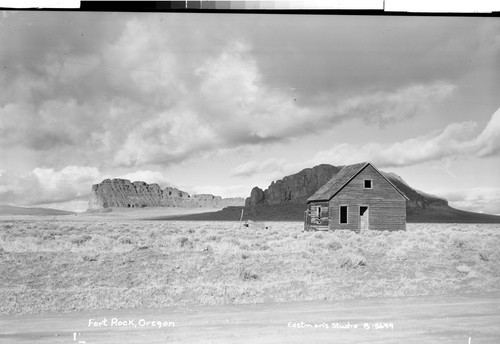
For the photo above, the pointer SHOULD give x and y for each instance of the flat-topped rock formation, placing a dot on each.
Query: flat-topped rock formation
(124, 193)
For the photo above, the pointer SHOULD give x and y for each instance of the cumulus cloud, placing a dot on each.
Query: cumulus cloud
(454, 140)
(488, 142)
(250, 168)
(46, 185)
(238, 190)
(383, 107)
(481, 199)
(246, 110)
(86, 98)
(241, 106)
(148, 177)
(269, 170)
(164, 139)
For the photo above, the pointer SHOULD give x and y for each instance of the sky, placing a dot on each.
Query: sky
(220, 103)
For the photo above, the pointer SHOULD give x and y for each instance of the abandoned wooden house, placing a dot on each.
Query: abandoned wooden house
(357, 198)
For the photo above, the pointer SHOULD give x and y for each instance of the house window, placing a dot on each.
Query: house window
(343, 214)
(316, 210)
(368, 184)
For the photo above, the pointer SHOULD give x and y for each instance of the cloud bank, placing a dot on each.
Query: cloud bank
(482, 200)
(46, 185)
(138, 96)
(455, 140)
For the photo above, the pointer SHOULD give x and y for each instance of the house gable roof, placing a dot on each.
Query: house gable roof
(341, 179)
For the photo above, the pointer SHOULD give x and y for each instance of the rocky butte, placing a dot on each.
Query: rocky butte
(296, 188)
(285, 200)
(124, 193)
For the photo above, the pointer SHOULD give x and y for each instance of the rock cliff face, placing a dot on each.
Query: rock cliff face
(123, 193)
(297, 188)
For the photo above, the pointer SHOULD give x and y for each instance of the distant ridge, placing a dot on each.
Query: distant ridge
(13, 210)
(285, 200)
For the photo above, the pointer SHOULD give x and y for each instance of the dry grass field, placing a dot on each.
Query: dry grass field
(63, 265)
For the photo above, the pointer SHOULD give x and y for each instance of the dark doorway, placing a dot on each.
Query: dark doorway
(363, 217)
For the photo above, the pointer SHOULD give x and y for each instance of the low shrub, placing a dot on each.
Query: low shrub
(458, 241)
(319, 235)
(80, 240)
(126, 241)
(184, 242)
(484, 256)
(248, 275)
(232, 241)
(334, 245)
(153, 234)
(213, 237)
(90, 257)
(464, 269)
(397, 253)
(351, 260)
(264, 247)
(49, 236)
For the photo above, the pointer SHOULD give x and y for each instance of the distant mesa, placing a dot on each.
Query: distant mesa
(124, 193)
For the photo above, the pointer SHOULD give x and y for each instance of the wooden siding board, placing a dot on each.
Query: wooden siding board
(387, 208)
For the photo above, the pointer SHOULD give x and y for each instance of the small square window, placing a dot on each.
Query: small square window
(368, 184)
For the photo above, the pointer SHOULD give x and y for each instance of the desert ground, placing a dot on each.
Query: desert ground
(68, 266)
(423, 319)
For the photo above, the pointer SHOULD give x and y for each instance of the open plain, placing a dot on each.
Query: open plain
(65, 265)
(74, 267)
